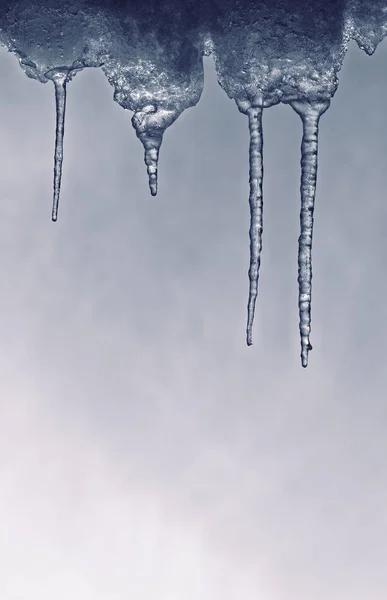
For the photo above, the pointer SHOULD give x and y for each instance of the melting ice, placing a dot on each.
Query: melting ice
(265, 52)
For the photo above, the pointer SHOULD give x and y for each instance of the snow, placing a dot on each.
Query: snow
(265, 52)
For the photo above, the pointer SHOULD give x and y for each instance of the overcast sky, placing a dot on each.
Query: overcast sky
(145, 451)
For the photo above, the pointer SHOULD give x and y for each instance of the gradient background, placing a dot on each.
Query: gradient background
(145, 451)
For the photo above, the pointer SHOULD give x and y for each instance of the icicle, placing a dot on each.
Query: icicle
(256, 211)
(150, 122)
(151, 143)
(60, 79)
(310, 114)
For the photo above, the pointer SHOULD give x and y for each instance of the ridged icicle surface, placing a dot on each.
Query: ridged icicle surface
(265, 52)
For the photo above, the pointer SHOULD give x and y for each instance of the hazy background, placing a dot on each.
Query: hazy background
(145, 451)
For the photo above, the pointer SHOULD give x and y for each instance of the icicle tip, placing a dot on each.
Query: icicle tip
(305, 354)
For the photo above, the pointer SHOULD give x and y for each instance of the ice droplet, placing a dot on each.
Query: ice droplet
(60, 78)
(256, 211)
(310, 113)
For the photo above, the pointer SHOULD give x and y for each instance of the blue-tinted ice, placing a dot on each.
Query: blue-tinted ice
(265, 52)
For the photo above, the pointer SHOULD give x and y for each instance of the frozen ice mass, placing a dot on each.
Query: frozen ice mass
(265, 52)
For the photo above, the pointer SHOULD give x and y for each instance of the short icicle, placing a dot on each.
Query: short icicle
(150, 123)
(310, 113)
(151, 157)
(256, 211)
(60, 80)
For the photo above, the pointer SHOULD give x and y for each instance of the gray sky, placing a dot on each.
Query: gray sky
(145, 451)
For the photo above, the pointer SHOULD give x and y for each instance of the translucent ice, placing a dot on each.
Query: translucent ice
(310, 114)
(155, 66)
(150, 124)
(256, 211)
(265, 52)
(60, 79)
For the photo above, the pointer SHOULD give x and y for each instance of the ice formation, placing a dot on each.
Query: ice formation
(265, 52)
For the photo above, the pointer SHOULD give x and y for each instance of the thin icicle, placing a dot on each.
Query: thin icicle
(310, 114)
(60, 80)
(256, 211)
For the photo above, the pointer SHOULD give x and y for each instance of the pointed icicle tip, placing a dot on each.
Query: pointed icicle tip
(151, 143)
(256, 211)
(310, 113)
(60, 78)
(150, 122)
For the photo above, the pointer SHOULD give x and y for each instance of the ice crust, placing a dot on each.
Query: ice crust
(265, 52)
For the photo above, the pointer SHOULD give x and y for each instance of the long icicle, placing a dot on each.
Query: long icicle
(60, 80)
(310, 114)
(256, 211)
